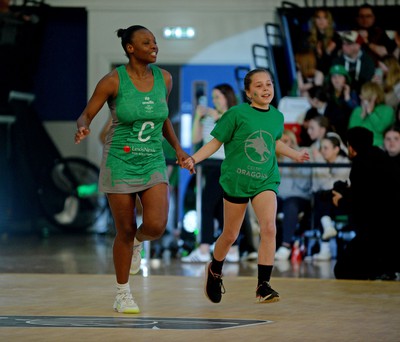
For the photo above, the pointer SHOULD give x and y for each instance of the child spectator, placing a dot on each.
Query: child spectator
(294, 197)
(373, 113)
(332, 151)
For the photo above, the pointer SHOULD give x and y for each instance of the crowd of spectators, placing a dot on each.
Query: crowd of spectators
(351, 79)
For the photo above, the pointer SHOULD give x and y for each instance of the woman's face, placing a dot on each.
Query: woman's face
(144, 46)
(315, 131)
(338, 81)
(219, 100)
(328, 151)
(321, 21)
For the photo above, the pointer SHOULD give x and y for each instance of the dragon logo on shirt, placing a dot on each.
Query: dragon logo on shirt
(256, 146)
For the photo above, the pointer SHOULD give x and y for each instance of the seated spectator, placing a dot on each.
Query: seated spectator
(317, 128)
(373, 113)
(324, 41)
(392, 148)
(322, 104)
(318, 101)
(359, 65)
(304, 137)
(391, 145)
(307, 75)
(375, 42)
(373, 253)
(390, 80)
(341, 99)
(294, 198)
(332, 151)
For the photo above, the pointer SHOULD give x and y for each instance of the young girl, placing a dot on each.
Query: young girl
(250, 133)
(223, 98)
(341, 99)
(332, 151)
(294, 197)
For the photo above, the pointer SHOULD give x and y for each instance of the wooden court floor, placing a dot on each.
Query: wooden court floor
(78, 307)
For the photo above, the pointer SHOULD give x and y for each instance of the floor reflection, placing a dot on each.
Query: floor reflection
(92, 254)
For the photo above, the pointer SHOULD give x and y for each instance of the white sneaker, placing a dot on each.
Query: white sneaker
(124, 303)
(252, 256)
(197, 256)
(283, 253)
(324, 252)
(136, 258)
(69, 212)
(233, 255)
(328, 227)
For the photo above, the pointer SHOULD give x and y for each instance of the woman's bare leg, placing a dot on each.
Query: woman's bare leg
(123, 211)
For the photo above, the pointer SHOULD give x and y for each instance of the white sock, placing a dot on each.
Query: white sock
(122, 288)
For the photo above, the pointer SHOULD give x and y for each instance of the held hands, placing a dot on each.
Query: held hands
(81, 134)
(189, 164)
(182, 160)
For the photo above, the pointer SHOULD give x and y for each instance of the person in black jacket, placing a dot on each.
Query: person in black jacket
(372, 252)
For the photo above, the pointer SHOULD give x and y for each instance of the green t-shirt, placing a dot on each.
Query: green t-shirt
(249, 137)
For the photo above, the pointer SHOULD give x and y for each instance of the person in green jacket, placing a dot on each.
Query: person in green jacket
(373, 113)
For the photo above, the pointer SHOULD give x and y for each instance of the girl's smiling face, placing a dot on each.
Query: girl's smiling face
(260, 90)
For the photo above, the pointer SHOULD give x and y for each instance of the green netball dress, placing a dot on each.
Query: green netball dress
(133, 158)
(249, 136)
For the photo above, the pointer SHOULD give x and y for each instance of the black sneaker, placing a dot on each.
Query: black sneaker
(265, 293)
(213, 287)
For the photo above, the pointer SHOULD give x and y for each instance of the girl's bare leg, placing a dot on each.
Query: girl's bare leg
(265, 206)
(233, 218)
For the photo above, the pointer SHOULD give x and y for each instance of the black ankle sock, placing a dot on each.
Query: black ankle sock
(264, 273)
(216, 266)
